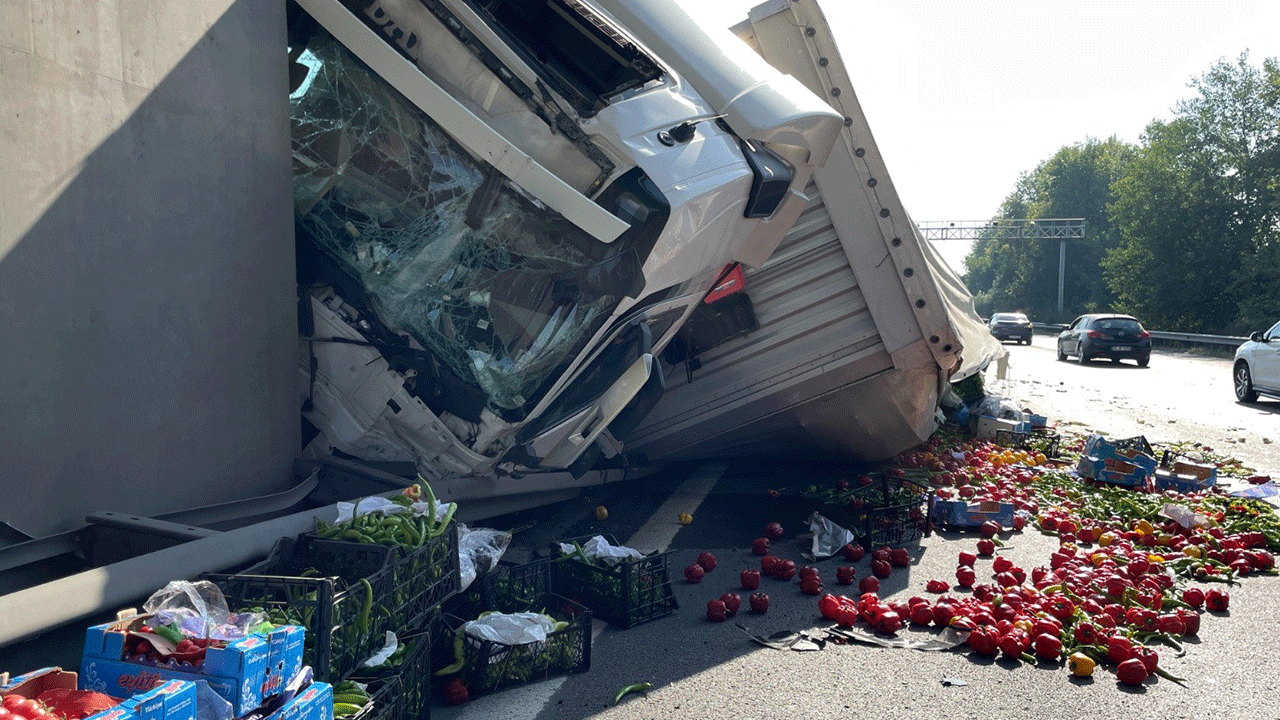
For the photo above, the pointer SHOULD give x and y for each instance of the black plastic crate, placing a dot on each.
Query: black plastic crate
(421, 578)
(399, 690)
(626, 594)
(1048, 443)
(1137, 442)
(491, 666)
(507, 587)
(344, 610)
(888, 511)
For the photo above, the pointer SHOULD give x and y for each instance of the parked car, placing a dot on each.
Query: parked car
(1010, 326)
(1116, 337)
(1257, 366)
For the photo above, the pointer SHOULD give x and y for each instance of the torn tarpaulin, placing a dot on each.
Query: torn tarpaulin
(950, 638)
(808, 641)
(788, 640)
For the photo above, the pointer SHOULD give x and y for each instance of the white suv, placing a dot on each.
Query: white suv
(1257, 367)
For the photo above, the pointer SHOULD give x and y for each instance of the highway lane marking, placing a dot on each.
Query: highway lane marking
(661, 527)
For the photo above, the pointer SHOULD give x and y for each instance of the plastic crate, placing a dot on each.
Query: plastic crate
(1042, 442)
(889, 511)
(421, 578)
(507, 587)
(345, 611)
(491, 666)
(626, 594)
(403, 691)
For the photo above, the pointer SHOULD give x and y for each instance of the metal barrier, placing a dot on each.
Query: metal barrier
(1228, 340)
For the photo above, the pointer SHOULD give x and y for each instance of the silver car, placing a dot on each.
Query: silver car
(1257, 366)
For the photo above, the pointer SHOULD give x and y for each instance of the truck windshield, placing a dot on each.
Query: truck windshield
(494, 284)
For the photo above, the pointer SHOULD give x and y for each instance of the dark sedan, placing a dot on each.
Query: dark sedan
(1010, 326)
(1116, 337)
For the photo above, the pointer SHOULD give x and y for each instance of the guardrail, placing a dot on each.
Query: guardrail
(1228, 340)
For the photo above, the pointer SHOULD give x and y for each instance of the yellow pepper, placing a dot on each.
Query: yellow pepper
(684, 518)
(1081, 665)
(1105, 539)
(602, 513)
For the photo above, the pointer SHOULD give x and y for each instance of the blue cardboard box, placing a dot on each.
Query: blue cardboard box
(285, 658)
(237, 671)
(962, 513)
(315, 702)
(1166, 479)
(172, 700)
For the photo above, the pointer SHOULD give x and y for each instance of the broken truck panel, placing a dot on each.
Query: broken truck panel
(860, 322)
(495, 238)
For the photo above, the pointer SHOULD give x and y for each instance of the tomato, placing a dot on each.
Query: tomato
(23, 707)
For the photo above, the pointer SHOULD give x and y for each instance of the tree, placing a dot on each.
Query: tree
(1197, 207)
(1023, 274)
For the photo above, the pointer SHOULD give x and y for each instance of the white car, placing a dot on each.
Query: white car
(1257, 366)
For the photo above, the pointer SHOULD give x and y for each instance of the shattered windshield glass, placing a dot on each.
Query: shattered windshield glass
(493, 283)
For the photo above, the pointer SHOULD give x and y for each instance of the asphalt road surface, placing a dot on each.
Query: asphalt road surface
(701, 669)
(1181, 396)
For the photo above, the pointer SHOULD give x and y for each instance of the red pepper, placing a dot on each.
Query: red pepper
(1119, 649)
(1193, 597)
(732, 601)
(1132, 672)
(759, 602)
(899, 557)
(990, 528)
(769, 565)
(760, 546)
(707, 560)
(1172, 624)
(1014, 643)
(1149, 657)
(694, 573)
(986, 548)
(1048, 646)
(1191, 619)
(968, 559)
(845, 574)
(888, 622)
(811, 585)
(785, 569)
(808, 570)
(1086, 633)
(937, 586)
(773, 531)
(750, 579)
(881, 568)
(1060, 607)
(455, 692)
(921, 614)
(1001, 564)
(1217, 600)
(983, 641)
(965, 576)
(868, 584)
(943, 613)
(846, 616)
(716, 611)
(828, 605)
(853, 553)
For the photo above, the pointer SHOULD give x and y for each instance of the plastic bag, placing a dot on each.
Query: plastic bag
(511, 628)
(200, 610)
(597, 548)
(379, 504)
(828, 537)
(1002, 408)
(1183, 515)
(479, 550)
(388, 648)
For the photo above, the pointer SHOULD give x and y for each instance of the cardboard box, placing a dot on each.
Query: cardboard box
(1201, 472)
(1166, 479)
(285, 659)
(988, 426)
(237, 671)
(1089, 467)
(174, 700)
(962, 513)
(315, 702)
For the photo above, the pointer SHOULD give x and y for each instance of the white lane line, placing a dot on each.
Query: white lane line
(661, 528)
(525, 703)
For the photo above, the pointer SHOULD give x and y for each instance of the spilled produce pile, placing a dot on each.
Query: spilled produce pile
(1131, 575)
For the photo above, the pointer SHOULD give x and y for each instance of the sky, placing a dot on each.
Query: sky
(963, 97)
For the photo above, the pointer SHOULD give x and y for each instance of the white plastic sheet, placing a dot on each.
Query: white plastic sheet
(511, 628)
(597, 548)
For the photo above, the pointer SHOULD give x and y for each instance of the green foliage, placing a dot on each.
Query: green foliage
(1182, 230)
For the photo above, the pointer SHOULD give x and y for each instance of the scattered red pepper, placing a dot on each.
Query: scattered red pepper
(732, 601)
(707, 560)
(773, 530)
(694, 573)
(750, 579)
(759, 602)
(455, 692)
(1132, 672)
(716, 611)
(1217, 600)
(760, 546)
